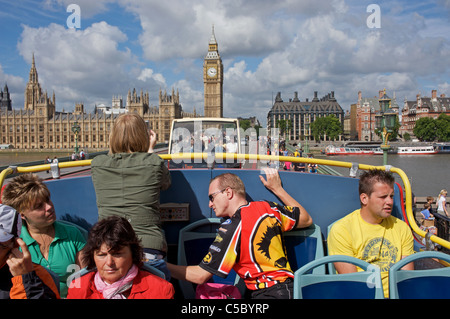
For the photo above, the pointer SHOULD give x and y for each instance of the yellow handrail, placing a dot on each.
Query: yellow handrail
(38, 168)
(232, 156)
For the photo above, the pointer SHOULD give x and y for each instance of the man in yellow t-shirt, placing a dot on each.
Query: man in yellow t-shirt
(371, 233)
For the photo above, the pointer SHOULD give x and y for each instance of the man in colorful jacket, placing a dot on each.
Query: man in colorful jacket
(250, 240)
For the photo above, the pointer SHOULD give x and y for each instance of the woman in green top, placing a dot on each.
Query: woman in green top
(128, 182)
(53, 244)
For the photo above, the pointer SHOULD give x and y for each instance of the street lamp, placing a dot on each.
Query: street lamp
(385, 122)
(306, 136)
(76, 129)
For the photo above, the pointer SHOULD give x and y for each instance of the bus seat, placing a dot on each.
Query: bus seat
(151, 269)
(304, 246)
(420, 284)
(194, 242)
(358, 285)
(331, 268)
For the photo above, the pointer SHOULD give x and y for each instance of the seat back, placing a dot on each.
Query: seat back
(359, 285)
(304, 246)
(151, 269)
(331, 268)
(194, 242)
(420, 284)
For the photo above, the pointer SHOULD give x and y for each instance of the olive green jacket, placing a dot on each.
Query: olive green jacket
(129, 185)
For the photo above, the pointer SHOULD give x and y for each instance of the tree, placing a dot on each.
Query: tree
(407, 137)
(329, 126)
(443, 128)
(244, 124)
(284, 126)
(425, 129)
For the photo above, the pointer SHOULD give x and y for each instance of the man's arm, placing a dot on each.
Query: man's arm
(273, 183)
(29, 281)
(194, 274)
(409, 266)
(344, 268)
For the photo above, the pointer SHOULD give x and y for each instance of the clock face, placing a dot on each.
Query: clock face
(212, 72)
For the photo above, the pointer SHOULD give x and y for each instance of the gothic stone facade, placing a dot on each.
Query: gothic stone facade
(40, 126)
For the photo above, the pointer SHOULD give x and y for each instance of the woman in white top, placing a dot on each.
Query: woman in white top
(441, 203)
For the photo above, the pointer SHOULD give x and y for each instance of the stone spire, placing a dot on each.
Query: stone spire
(33, 77)
(213, 37)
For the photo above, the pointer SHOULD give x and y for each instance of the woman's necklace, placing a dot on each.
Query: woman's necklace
(44, 245)
(44, 240)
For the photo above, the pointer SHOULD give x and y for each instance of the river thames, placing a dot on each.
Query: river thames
(428, 174)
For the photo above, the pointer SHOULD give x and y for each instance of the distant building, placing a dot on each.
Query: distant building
(40, 126)
(5, 99)
(366, 110)
(302, 113)
(213, 79)
(115, 108)
(350, 132)
(423, 107)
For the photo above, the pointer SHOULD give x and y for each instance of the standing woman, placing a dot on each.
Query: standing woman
(128, 182)
(442, 203)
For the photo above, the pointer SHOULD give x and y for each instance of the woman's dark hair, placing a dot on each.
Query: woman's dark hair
(115, 232)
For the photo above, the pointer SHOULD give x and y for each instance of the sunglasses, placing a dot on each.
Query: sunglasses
(211, 196)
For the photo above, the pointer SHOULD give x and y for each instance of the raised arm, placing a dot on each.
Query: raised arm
(273, 183)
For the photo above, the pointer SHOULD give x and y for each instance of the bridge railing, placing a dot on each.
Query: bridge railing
(442, 224)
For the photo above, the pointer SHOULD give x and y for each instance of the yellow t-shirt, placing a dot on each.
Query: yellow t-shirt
(382, 245)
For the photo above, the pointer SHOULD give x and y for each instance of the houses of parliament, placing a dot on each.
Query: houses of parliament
(40, 126)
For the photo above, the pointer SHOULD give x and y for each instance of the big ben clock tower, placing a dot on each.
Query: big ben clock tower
(213, 80)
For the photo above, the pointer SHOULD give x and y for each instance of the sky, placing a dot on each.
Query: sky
(286, 46)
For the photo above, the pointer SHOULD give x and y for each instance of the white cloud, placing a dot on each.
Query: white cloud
(176, 29)
(83, 65)
(191, 95)
(149, 74)
(303, 46)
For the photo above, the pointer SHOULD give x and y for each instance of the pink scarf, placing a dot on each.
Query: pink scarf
(114, 290)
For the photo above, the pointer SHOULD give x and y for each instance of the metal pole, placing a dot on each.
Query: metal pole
(76, 143)
(385, 147)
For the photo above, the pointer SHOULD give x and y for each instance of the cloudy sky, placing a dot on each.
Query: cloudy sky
(266, 46)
